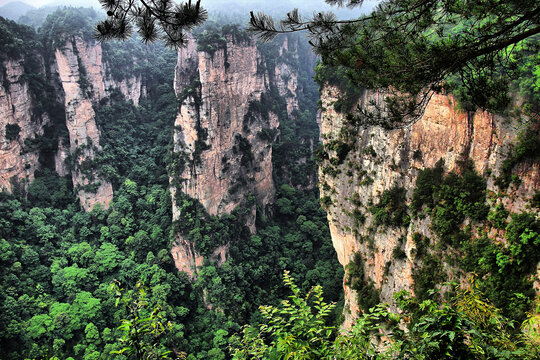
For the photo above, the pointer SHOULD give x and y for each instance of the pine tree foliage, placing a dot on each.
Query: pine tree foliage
(153, 20)
(409, 49)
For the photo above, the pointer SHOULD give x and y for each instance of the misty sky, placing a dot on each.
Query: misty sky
(307, 5)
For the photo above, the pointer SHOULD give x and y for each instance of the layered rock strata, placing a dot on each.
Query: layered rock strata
(80, 70)
(86, 79)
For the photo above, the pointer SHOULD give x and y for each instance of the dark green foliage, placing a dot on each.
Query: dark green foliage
(299, 128)
(136, 141)
(367, 295)
(527, 81)
(426, 181)
(468, 327)
(50, 190)
(211, 40)
(16, 40)
(427, 276)
(528, 148)
(237, 33)
(19, 42)
(421, 244)
(250, 275)
(391, 210)
(244, 147)
(60, 261)
(359, 217)
(67, 22)
(212, 37)
(341, 148)
(156, 20)
(450, 200)
(12, 131)
(417, 154)
(368, 150)
(130, 58)
(402, 48)
(505, 271)
(338, 76)
(498, 216)
(206, 232)
(267, 134)
(143, 325)
(84, 84)
(398, 252)
(535, 201)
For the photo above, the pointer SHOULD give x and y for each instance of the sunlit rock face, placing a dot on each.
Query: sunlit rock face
(381, 159)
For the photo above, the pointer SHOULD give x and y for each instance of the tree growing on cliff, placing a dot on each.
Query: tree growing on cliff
(408, 49)
(412, 48)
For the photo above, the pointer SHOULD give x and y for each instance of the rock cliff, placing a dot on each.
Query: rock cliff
(19, 122)
(225, 129)
(86, 79)
(378, 160)
(78, 77)
(80, 70)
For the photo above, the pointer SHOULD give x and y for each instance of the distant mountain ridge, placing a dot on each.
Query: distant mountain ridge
(15, 9)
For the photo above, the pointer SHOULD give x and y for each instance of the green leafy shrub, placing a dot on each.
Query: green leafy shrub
(367, 295)
(391, 210)
(528, 147)
(12, 131)
(450, 199)
(498, 216)
(467, 328)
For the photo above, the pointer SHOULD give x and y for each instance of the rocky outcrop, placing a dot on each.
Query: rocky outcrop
(218, 132)
(86, 79)
(79, 68)
(286, 77)
(18, 122)
(224, 132)
(83, 78)
(381, 159)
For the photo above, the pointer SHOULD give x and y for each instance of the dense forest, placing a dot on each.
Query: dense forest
(102, 284)
(59, 261)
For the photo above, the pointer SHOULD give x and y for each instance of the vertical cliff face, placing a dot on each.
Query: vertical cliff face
(219, 128)
(286, 78)
(80, 71)
(76, 76)
(86, 79)
(380, 160)
(19, 121)
(224, 131)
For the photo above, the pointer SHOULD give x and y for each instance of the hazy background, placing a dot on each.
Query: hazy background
(13, 9)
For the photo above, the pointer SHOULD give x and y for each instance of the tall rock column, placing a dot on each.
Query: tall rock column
(222, 134)
(18, 122)
(79, 68)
